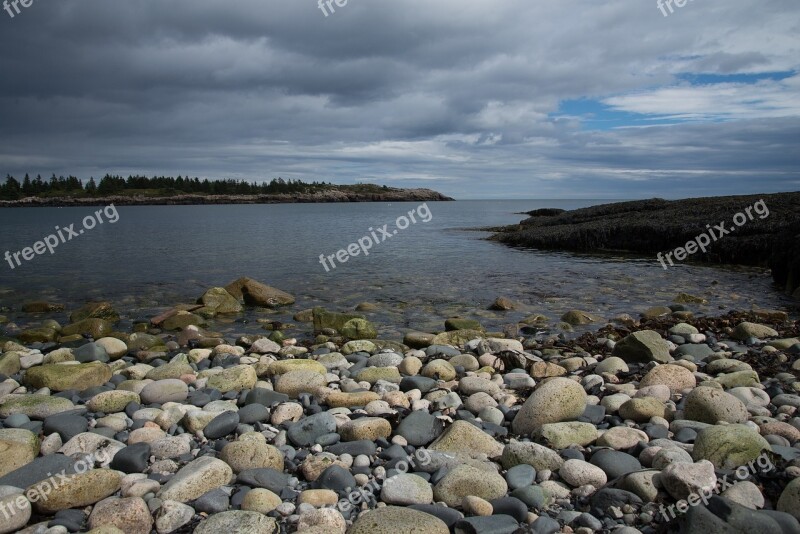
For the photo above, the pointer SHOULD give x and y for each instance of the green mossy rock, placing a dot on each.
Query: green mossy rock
(456, 323)
(38, 335)
(62, 377)
(457, 337)
(94, 327)
(359, 329)
(220, 301)
(327, 319)
(95, 310)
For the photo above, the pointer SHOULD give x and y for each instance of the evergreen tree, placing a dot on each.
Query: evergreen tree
(27, 186)
(11, 190)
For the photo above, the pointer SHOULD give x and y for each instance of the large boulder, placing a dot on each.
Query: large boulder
(97, 328)
(238, 522)
(554, 401)
(466, 438)
(234, 378)
(578, 317)
(255, 293)
(466, 480)
(38, 335)
(196, 478)
(10, 363)
(34, 406)
(744, 331)
(130, 515)
(728, 446)
(218, 300)
(18, 447)
(643, 346)
(398, 520)
(712, 406)
(675, 377)
(77, 491)
(359, 329)
(327, 319)
(60, 377)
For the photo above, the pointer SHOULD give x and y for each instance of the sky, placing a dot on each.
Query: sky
(474, 98)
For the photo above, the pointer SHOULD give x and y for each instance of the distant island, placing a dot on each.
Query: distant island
(162, 190)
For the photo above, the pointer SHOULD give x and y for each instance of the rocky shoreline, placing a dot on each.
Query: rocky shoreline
(330, 195)
(669, 421)
(656, 225)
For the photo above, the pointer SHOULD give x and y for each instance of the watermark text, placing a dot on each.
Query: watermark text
(62, 235)
(712, 234)
(375, 237)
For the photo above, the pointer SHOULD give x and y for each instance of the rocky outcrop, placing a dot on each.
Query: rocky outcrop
(768, 237)
(785, 260)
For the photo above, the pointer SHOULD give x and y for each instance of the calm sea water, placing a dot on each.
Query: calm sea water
(156, 256)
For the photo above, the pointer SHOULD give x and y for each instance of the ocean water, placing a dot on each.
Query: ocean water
(156, 256)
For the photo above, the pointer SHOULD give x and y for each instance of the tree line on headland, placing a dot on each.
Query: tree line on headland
(71, 186)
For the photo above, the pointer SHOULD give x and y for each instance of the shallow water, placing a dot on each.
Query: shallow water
(156, 256)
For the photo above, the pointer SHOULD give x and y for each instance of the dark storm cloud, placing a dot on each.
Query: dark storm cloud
(458, 96)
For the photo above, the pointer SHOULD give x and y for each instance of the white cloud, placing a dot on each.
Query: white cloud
(763, 99)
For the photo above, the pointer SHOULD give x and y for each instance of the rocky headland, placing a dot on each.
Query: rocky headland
(669, 421)
(656, 225)
(325, 196)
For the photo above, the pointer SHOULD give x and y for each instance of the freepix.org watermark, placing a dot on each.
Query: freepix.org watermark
(367, 493)
(61, 236)
(702, 241)
(664, 5)
(373, 238)
(762, 464)
(41, 491)
(327, 5)
(12, 6)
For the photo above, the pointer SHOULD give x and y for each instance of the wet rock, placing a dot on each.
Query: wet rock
(254, 293)
(643, 346)
(745, 330)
